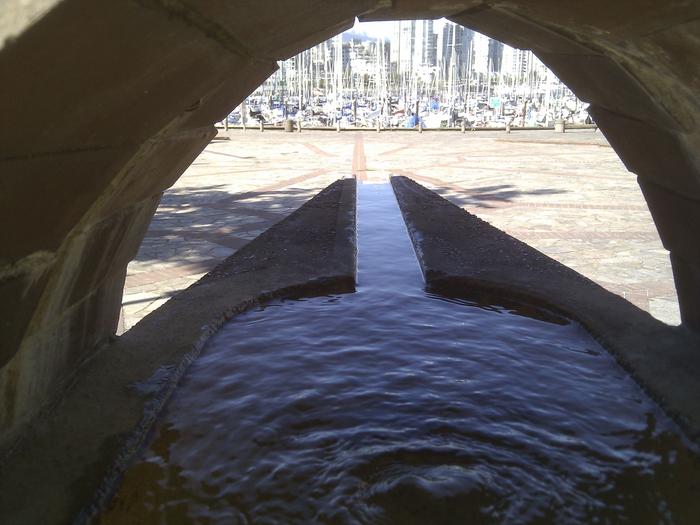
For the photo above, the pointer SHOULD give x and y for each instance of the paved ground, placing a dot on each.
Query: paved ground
(568, 195)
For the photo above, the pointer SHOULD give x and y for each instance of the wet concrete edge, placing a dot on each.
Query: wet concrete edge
(462, 255)
(70, 460)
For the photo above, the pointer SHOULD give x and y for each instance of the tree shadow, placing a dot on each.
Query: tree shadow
(490, 196)
(208, 223)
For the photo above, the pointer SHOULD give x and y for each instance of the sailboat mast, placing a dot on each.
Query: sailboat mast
(339, 70)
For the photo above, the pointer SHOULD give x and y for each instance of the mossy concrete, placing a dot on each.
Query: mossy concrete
(462, 255)
(74, 453)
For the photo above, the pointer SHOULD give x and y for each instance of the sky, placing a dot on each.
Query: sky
(374, 29)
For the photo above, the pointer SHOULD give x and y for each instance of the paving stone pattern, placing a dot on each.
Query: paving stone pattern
(568, 195)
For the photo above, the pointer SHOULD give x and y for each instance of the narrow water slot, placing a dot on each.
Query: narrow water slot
(392, 406)
(386, 260)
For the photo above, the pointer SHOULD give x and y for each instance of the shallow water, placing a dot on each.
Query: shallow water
(393, 406)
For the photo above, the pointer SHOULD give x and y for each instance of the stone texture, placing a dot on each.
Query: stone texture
(518, 31)
(687, 275)
(651, 152)
(676, 217)
(65, 326)
(44, 207)
(21, 292)
(109, 91)
(614, 21)
(416, 9)
(598, 79)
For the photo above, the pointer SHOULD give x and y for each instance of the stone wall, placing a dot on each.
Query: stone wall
(104, 104)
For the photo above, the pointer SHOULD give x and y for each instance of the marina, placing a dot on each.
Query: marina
(432, 74)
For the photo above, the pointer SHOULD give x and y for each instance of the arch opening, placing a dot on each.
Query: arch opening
(565, 194)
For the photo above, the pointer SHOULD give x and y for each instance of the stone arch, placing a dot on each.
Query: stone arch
(105, 104)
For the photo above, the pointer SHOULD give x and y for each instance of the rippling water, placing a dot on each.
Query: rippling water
(392, 406)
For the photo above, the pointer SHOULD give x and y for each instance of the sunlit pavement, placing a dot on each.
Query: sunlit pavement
(568, 195)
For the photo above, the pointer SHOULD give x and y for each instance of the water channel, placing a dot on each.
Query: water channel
(394, 406)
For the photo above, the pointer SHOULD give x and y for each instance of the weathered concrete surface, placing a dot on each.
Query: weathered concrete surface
(461, 254)
(105, 103)
(87, 437)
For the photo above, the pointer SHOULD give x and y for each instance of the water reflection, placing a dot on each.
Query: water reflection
(393, 406)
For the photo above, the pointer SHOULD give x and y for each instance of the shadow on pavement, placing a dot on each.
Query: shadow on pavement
(489, 196)
(191, 222)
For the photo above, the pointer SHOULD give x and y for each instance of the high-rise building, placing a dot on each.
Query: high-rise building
(455, 49)
(522, 60)
(414, 45)
(426, 43)
(495, 56)
(402, 46)
(480, 62)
